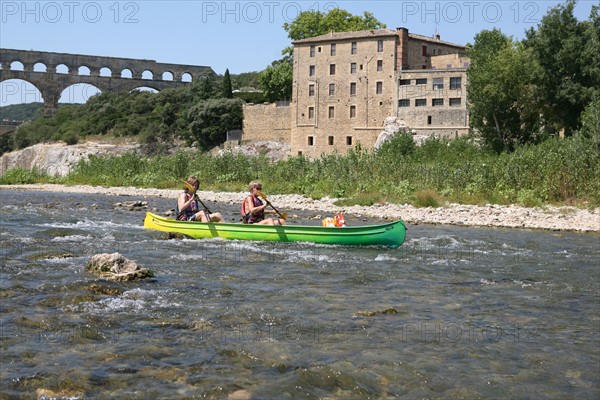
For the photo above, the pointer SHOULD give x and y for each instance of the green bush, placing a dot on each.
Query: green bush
(402, 144)
(427, 198)
(555, 171)
(590, 123)
(24, 176)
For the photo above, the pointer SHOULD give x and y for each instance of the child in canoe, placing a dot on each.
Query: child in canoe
(188, 208)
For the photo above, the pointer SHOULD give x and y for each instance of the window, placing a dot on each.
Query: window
(352, 111)
(380, 45)
(424, 49)
(404, 82)
(352, 88)
(455, 102)
(311, 112)
(352, 68)
(311, 90)
(437, 102)
(331, 69)
(311, 141)
(429, 120)
(349, 140)
(455, 82)
(404, 103)
(354, 48)
(311, 70)
(312, 51)
(379, 65)
(332, 51)
(332, 89)
(379, 88)
(419, 103)
(421, 81)
(330, 140)
(331, 112)
(438, 83)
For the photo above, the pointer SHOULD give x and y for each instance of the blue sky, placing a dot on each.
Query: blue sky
(243, 36)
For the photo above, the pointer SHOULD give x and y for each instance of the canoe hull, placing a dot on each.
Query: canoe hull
(389, 235)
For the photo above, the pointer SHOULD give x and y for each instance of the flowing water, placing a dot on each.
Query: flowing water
(454, 313)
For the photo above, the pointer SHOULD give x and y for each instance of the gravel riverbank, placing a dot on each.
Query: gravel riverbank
(550, 217)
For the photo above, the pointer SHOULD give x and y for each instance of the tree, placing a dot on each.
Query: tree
(590, 123)
(210, 120)
(568, 52)
(314, 23)
(203, 88)
(276, 81)
(245, 79)
(500, 93)
(227, 90)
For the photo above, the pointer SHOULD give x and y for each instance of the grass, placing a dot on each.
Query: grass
(427, 198)
(553, 172)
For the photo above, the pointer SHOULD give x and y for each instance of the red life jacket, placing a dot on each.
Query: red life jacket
(249, 218)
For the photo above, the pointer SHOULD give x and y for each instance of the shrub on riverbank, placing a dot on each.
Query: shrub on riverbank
(556, 171)
(26, 177)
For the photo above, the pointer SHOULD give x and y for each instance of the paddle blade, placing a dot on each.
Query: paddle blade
(189, 187)
(283, 215)
(262, 195)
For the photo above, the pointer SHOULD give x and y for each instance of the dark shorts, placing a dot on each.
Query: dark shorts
(251, 219)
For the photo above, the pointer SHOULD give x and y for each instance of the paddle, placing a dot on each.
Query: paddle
(192, 190)
(264, 197)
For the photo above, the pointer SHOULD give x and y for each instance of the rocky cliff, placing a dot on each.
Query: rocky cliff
(57, 159)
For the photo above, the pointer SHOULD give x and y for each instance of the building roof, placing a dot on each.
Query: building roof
(370, 33)
(434, 40)
(348, 35)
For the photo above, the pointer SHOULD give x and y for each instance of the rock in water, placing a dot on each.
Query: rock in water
(116, 267)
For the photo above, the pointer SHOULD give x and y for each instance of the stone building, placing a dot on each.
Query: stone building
(433, 101)
(267, 122)
(345, 85)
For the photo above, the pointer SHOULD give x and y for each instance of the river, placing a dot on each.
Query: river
(455, 312)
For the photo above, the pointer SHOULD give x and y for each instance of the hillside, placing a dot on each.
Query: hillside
(21, 112)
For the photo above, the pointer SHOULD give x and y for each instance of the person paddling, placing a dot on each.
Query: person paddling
(188, 208)
(253, 209)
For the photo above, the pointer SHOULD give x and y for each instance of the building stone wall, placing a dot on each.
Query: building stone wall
(266, 122)
(450, 61)
(423, 50)
(333, 112)
(428, 108)
(346, 84)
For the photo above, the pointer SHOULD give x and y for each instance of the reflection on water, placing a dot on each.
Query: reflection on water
(453, 313)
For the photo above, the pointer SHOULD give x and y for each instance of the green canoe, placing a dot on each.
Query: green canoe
(390, 234)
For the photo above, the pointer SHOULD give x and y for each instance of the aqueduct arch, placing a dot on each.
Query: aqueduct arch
(51, 83)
